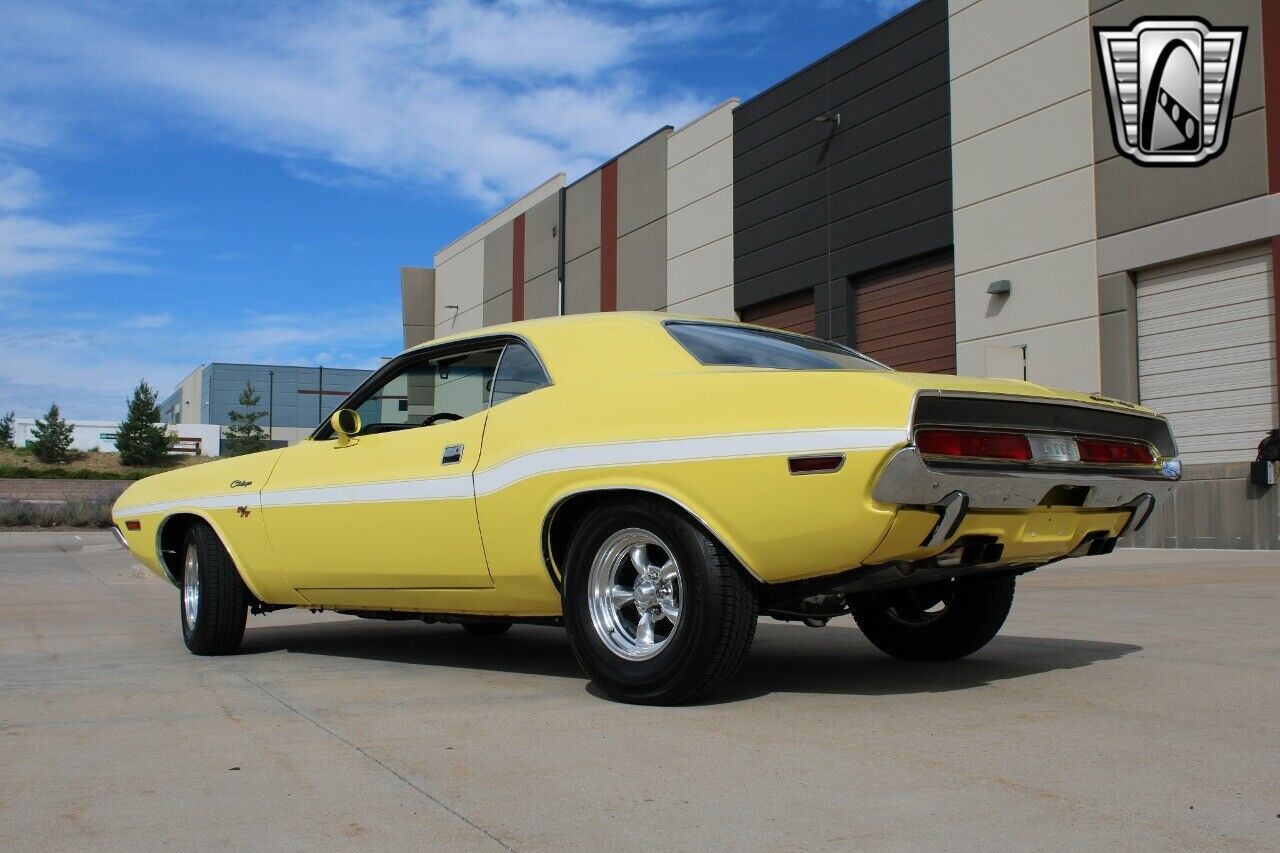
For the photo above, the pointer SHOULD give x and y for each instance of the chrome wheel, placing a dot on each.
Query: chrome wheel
(635, 590)
(191, 586)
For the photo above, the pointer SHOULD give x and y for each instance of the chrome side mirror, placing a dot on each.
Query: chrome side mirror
(346, 425)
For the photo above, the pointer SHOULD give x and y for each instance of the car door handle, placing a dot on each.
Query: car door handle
(452, 454)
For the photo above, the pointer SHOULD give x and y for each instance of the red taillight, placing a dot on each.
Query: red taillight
(133, 525)
(815, 464)
(977, 445)
(1105, 451)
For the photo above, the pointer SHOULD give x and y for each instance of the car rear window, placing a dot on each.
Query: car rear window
(739, 346)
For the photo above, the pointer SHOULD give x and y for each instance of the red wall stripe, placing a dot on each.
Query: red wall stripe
(1271, 85)
(517, 269)
(609, 237)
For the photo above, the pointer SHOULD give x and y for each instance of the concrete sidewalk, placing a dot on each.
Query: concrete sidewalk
(1131, 701)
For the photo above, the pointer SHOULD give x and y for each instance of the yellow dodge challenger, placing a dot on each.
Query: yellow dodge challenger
(654, 484)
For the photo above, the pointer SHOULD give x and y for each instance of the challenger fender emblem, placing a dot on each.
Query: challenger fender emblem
(243, 511)
(236, 484)
(1171, 87)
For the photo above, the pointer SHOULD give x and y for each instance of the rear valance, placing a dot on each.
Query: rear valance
(941, 409)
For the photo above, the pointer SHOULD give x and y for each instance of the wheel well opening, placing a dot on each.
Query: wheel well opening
(568, 514)
(173, 534)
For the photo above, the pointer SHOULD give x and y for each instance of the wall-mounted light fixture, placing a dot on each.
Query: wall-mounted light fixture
(1003, 287)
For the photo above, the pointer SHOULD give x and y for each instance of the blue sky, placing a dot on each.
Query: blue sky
(220, 181)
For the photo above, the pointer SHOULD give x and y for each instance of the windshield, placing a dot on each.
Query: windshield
(740, 346)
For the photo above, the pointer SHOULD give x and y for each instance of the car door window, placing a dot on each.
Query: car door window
(519, 372)
(451, 387)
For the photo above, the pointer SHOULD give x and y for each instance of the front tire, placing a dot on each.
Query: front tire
(940, 621)
(213, 603)
(657, 611)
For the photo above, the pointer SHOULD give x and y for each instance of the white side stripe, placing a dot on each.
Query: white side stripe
(539, 462)
(705, 448)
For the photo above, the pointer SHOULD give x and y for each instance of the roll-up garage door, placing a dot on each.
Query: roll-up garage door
(793, 313)
(1206, 352)
(907, 317)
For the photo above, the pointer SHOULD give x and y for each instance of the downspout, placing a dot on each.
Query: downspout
(560, 254)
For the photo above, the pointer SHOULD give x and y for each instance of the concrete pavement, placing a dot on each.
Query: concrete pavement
(1131, 701)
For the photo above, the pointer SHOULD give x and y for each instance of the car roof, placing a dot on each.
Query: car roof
(592, 346)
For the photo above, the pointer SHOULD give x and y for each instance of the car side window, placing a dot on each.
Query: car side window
(426, 391)
(519, 372)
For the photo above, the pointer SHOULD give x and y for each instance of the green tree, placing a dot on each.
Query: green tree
(245, 435)
(52, 436)
(6, 431)
(140, 440)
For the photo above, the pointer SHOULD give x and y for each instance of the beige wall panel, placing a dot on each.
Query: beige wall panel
(701, 175)
(540, 241)
(955, 7)
(1119, 355)
(498, 309)
(460, 281)
(189, 410)
(498, 260)
(1019, 83)
(1132, 196)
(1031, 221)
(582, 284)
(1201, 233)
(417, 295)
(541, 297)
(414, 335)
(701, 133)
(1064, 355)
(642, 186)
(642, 268)
(1037, 147)
(705, 221)
(549, 187)
(465, 321)
(1047, 288)
(987, 30)
(582, 217)
(717, 303)
(709, 268)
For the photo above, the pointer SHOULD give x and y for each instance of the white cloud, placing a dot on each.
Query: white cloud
(488, 97)
(149, 321)
(19, 187)
(33, 245)
(91, 371)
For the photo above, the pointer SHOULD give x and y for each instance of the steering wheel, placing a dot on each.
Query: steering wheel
(441, 416)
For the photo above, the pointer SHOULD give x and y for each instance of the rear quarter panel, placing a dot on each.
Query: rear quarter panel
(780, 525)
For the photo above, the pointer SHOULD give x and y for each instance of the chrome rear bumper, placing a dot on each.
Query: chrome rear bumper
(907, 481)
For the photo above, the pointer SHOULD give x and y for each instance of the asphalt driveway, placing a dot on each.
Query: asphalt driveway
(1131, 701)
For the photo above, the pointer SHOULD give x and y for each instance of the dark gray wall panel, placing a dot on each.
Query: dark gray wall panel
(812, 207)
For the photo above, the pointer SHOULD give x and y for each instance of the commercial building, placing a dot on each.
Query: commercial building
(296, 399)
(967, 188)
(91, 436)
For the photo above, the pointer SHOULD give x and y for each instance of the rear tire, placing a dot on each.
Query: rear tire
(213, 602)
(486, 629)
(936, 622)
(657, 611)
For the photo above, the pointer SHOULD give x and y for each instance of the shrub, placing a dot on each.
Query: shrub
(245, 435)
(52, 437)
(6, 431)
(140, 440)
(78, 512)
